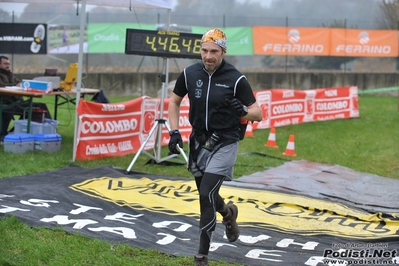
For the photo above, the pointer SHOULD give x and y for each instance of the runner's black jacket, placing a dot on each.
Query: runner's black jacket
(207, 93)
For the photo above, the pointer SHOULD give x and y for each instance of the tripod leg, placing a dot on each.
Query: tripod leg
(142, 146)
(182, 153)
(180, 148)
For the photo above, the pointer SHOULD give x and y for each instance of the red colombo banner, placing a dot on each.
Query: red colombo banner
(117, 129)
(287, 107)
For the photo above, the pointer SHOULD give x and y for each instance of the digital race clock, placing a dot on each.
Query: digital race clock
(163, 43)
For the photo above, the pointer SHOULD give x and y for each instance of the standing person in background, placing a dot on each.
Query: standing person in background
(220, 96)
(65, 36)
(7, 78)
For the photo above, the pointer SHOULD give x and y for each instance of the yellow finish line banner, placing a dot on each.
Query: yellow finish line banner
(258, 208)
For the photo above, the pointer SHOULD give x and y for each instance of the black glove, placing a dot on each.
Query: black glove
(175, 139)
(237, 107)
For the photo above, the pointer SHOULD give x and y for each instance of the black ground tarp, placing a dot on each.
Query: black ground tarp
(287, 217)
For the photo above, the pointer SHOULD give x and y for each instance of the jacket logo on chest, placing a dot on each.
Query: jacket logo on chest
(221, 85)
(199, 83)
(198, 90)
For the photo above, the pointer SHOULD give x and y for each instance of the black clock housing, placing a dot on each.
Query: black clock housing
(161, 43)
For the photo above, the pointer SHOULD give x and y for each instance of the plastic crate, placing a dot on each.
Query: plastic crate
(47, 142)
(21, 126)
(18, 143)
(48, 127)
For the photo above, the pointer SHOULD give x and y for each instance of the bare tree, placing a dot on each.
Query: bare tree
(5, 17)
(390, 14)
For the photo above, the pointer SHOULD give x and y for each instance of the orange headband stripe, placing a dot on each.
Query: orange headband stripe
(216, 36)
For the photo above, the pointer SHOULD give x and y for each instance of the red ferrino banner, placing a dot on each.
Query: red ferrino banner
(291, 41)
(325, 42)
(117, 129)
(352, 42)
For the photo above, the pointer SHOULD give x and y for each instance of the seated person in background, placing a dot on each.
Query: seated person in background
(7, 78)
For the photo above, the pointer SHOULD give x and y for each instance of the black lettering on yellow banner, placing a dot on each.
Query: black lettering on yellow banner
(258, 208)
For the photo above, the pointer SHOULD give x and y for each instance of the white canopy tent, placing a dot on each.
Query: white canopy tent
(164, 4)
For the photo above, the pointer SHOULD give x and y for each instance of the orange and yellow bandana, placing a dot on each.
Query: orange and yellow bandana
(215, 36)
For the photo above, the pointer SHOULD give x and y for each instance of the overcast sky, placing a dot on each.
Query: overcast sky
(12, 6)
(18, 7)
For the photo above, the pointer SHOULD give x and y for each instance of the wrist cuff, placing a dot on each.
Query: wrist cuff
(172, 132)
(245, 111)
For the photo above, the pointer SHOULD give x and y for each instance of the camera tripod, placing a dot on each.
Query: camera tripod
(157, 127)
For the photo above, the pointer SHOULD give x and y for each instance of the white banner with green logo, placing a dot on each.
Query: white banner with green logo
(239, 39)
(111, 38)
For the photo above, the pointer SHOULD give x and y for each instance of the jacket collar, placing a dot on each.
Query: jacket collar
(5, 72)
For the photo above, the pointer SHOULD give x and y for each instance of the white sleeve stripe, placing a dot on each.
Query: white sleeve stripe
(235, 85)
(185, 79)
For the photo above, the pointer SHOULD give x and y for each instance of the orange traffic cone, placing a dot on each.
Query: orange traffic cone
(248, 131)
(290, 150)
(271, 141)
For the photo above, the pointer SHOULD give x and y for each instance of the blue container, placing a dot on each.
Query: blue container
(49, 126)
(47, 142)
(19, 143)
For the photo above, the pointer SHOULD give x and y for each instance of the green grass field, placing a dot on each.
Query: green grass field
(367, 144)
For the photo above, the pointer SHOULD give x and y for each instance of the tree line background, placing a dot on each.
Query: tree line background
(357, 14)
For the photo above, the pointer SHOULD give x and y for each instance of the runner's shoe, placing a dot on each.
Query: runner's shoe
(200, 260)
(232, 230)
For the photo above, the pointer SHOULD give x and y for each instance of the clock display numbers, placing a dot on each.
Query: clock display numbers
(162, 43)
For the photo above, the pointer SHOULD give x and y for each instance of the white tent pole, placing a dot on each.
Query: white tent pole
(79, 82)
(164, 87)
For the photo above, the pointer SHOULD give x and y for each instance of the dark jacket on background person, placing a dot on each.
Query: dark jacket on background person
(7, 78)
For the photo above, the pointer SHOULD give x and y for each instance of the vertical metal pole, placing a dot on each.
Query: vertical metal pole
(12, 54)
(158, 141)
(159, 22)
(87, 54)
(286, 56)
(345, 54)
(79, 82)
